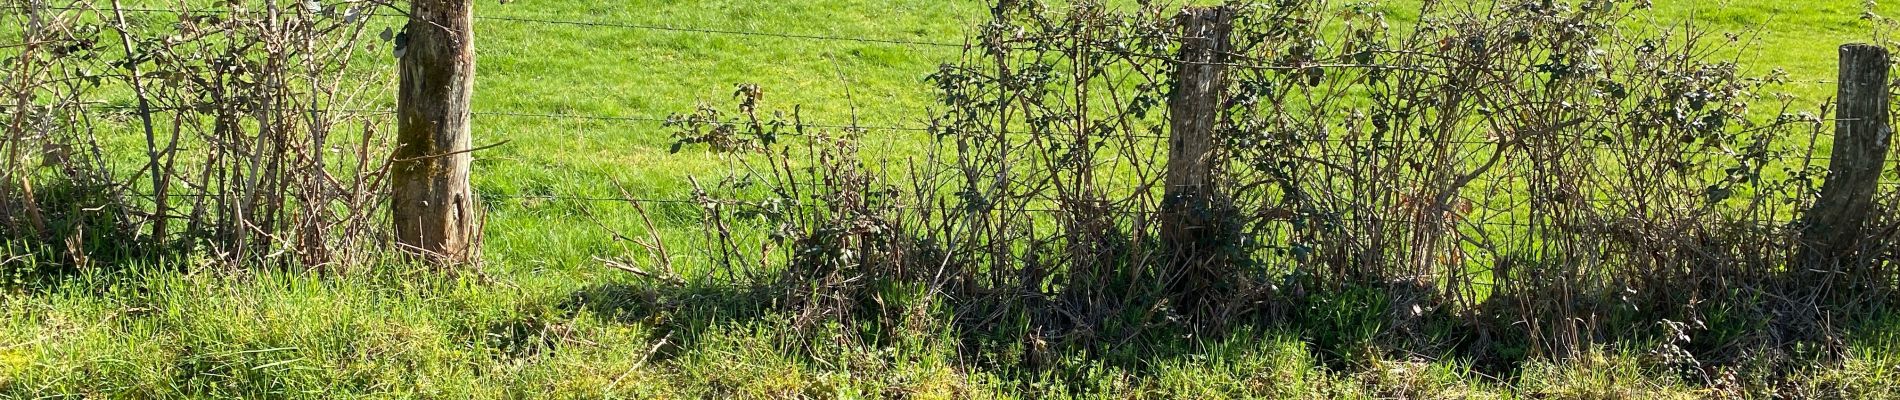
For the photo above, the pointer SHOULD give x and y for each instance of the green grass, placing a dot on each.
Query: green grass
(555, 69)
(546, 320)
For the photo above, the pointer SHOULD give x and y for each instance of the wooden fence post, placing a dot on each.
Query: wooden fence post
(1189, 200)
(1862, 135)
(433, 206)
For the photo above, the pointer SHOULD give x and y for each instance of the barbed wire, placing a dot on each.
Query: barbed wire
(737, 32)
(724, 31)
(597, 24)
(733, 202)
(688, 119)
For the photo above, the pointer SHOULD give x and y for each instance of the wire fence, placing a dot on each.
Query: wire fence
(723, 31)
(350, 13)
(1476, 223)
(1594, 145)
(728, 31)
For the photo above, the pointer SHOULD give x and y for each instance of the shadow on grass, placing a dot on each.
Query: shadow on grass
(1342, 330)
(1023, 344)
(76, 226)
(678, 314)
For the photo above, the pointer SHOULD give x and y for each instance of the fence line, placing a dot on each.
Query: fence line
(723, 31)
(894, 128)
(621, 25)
(784, 35)
(730, 201)
(727, 32)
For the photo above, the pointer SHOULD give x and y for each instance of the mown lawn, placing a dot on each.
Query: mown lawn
(546, 319)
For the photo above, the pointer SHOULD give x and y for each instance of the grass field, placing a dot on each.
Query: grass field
(545, 319)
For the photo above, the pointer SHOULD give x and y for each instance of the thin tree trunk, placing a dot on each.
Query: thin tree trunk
(1190, 203)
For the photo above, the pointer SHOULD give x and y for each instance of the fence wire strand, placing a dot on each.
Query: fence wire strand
(567, 22)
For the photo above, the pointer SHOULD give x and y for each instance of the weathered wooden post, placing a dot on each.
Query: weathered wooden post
(1194, 107)
(433, 206)
(1862, 135)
